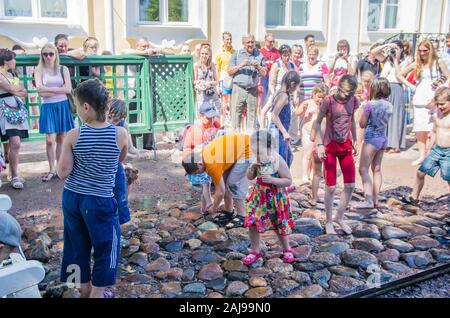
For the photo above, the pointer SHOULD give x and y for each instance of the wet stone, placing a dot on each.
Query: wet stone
(344, 271)
(210, 272)
(260, 272)
(308, 226)
(441, 255)
(410, 208)
(393, 202)
(357, 258)
(345, 285)
(321, 277)
(301, 278)
(208, 226)
(418, 259)
(368, 244)
(149, 248)
(217, 284)
(204, 256)
(312, 291)
(234, 266)
(38, 251)
(215, 295)
(391, 232)
(259, 292)
(414, 229)
(139, 259)
(300, 239)
(396, 268)
(334, 247)
(391, 255)
(423, 243)
(188, 275)
(214, 236)
(303, 252)
(195, 288)
(257, 282)
(138, 278)
(171, 274)
(194, 244)
(237, 276)
(174, 246)
(284, 286)
(399, 245)
(235, 246)
(160, 264)
(327, 259)
(367, 230)
(438, 231)
(308, 267)
(380, 223)
(171, 289)
(236, 288)
(425, 221)
(278, 266)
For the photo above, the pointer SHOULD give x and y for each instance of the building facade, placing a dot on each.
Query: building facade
(118, 23)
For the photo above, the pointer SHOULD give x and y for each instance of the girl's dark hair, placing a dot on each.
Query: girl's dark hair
(348, 83)
(380, 88)
(6, 55)
(261, 138)
(17, 47)
(118, 109)
(290, 79)
(61, 36)
(94, 93)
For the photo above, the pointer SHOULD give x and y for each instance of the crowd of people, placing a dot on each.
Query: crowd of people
(253, 105)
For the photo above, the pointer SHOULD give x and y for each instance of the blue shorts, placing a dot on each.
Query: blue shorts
(121, 195)
(225, 91)
(378, 142)
(90, 222)
(438, 158)
(198, 179)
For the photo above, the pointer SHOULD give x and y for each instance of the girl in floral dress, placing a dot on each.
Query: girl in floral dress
(268, 205)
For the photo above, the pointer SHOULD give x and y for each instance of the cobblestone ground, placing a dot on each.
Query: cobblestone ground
(170, 250)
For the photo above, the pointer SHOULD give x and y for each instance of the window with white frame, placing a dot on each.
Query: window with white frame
(164, 11)
(382, 14)
(288, 13)
(33, 9)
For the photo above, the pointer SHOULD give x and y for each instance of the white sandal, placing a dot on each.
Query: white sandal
(17, 183)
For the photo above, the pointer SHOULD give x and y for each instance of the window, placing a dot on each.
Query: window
(287, 12)
(34, 9)
(164, 11)
(382, 14)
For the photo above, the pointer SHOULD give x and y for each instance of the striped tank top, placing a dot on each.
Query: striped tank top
(310, 77)
(95, 161)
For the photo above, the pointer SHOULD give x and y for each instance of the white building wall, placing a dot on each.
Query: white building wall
(235, 15)
(431, 16)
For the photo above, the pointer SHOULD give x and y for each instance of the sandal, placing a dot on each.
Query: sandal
(206, 208)
(288, 256)
(237, 222)
(410, 200)
(17, 183)
(252, 257)
(49, 176)
(108, 294)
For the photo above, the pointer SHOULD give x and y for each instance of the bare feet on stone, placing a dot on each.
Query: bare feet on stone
(347, 230)
(329, 228)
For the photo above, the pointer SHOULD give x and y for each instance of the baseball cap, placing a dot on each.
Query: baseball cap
(208, 110)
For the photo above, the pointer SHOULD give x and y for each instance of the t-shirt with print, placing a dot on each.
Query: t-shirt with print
(378, 112)
(270, 57)
(223, 152)
(339, 118)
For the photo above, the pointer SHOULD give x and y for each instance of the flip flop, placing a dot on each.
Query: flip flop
(49, 176)
(410, 200)
(237, 222)
(205, 209)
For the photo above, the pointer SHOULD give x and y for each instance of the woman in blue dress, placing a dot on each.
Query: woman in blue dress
(281, 114)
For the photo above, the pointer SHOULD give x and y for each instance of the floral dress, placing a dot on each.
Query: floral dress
(268, 206)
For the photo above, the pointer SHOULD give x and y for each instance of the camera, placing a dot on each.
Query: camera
(210, 91)
(392, 52)
(340, 54)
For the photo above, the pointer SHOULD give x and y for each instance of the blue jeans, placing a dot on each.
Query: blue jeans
(121, 195)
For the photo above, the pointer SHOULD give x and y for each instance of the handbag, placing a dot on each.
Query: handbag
(73, 108)
(14, 115)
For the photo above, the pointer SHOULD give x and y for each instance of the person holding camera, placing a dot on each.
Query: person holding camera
(205, 79)
(246, 67)
(392, 55)
(342, 64)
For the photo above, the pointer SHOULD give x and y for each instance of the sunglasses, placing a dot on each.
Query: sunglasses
(424, 51)
(51, 54)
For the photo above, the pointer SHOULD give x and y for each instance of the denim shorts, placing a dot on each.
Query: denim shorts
(438, 158)
(199, 179)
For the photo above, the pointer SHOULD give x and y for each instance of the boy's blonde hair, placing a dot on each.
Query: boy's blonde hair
(90, 42)
(320, 89)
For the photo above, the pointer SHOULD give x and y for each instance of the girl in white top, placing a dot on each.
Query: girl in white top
(428, 70)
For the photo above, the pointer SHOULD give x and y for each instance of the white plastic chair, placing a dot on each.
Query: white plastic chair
(19, 278)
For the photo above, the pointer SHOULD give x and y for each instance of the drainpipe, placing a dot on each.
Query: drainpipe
(109, 25)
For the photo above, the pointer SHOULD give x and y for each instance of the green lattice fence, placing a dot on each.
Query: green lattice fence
(171, 93)
(126, 76)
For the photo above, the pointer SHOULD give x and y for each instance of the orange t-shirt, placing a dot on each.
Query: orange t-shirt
(222, 153)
